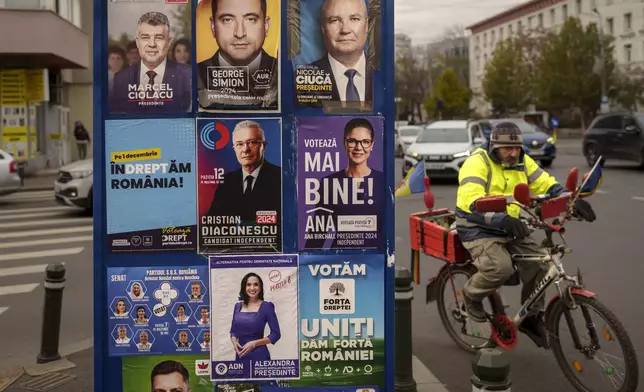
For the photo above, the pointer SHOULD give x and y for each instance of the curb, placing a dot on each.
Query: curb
(426, 381)
(37, 188)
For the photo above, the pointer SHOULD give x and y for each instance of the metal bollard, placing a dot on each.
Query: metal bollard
(491, 369)
(404, 379)
(50, 334)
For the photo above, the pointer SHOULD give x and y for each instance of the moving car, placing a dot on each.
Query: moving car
(9, 178)
(444, 146)
(405, 136)
(74, 186)
(539, 145)
(615, 136)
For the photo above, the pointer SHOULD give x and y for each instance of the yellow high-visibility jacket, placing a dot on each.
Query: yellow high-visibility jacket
(482, 174)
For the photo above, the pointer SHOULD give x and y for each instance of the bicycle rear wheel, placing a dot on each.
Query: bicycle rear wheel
(457, 313)
(621, 381)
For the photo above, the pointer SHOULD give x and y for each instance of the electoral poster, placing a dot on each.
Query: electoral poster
(239, 185)
(255, 324)
(150, 185)
(158, 310)
(149, 57)
(177, 373)
(335, 48)
(341, 195)
(238, 67)
(342, 321)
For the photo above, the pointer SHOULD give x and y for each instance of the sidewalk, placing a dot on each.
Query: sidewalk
(76, 374)
(39, 182)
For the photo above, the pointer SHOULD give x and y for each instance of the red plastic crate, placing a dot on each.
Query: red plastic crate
(429, 232)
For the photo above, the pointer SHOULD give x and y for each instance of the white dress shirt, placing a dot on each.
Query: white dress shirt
(158, 79)
(254, 174)
(341, 80)
(252, 66)
(125, 340)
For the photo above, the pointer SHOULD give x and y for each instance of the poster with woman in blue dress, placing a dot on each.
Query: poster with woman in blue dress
(254, 324)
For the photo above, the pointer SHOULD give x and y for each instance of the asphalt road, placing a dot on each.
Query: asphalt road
(607, 252)
(35, 231)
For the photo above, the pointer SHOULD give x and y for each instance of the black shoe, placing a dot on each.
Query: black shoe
(475, 310)
(535, 328)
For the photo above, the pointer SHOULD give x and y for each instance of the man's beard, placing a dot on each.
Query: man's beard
(509, 161)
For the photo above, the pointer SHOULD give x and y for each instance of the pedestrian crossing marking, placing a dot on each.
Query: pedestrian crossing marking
(34, 215)
(48, 222)
(36, 209)
(18, 288)
(33, 233)
(46, 241)
(31, 195)
(25, 270)
(41, 253)
(2, 310)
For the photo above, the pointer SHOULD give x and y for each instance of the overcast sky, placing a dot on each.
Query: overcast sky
(426, 20)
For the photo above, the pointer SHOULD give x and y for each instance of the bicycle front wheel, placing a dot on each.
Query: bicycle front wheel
(593, 335)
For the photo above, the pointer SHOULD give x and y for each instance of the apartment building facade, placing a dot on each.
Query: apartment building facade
(623, 19)
(51, 38)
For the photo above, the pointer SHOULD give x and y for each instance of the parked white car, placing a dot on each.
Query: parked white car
(74, 186)
(444, 146)
(9, 178)
(405, 136)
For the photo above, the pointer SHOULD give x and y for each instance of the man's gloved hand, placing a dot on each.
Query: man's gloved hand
(584, 210)
(515, 227)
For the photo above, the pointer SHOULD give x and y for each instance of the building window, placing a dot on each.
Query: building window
(564, 10)
(540, 18)
(519, 27)
(552, 17)
(627, 53)
(478, 63)
(510, 29)
(501, 34)
(492, 39)
(530, 23)
(578, 7)
(628, 22)
(610, 25)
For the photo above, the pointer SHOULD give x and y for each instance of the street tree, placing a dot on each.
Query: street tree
(413, 78)
(568, 75)
(507, 81)
(449, 98)
(630, 89)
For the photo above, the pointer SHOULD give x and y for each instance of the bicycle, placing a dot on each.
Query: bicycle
(428, 228)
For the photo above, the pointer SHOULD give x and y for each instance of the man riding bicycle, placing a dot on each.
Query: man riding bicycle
(495, 169)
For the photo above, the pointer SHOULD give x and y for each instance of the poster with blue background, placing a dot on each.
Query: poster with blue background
(158, 310)
(342, 321)
(150, 185)
(334, 66)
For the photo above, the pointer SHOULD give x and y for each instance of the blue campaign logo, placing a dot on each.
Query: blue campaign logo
(120, 307)
(183, 338)
(554, 122)
(166, 293)
(221, 369)
(206, 135)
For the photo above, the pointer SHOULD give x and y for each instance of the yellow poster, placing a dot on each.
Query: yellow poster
(18, 126)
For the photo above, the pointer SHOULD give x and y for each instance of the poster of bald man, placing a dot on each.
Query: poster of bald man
(238, 67)
(149, 59)
(239, 185)
(334, 46)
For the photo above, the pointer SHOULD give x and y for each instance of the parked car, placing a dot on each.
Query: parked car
(74, 186)
(615, 136)
(9, 178)
(405, 136)
(444, 146)
(539, 145)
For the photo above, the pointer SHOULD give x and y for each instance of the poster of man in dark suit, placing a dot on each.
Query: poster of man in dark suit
(342, 76)
(245, 212)
(155, 84)
(241, 75)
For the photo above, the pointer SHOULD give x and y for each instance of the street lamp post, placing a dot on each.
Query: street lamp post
(604, 99)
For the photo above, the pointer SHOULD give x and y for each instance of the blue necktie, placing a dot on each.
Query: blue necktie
(352, 90)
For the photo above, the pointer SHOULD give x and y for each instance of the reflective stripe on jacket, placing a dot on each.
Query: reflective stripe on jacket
(482, 174)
